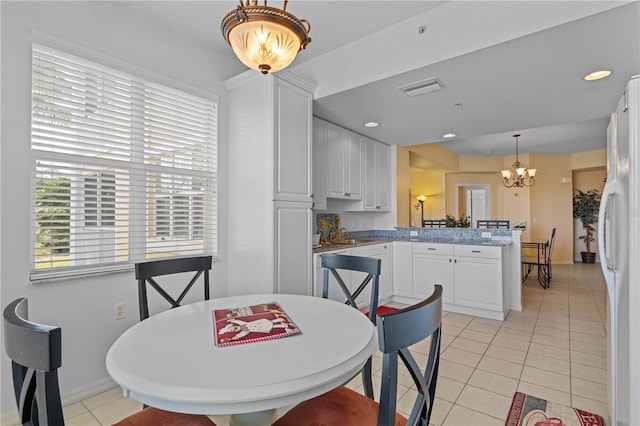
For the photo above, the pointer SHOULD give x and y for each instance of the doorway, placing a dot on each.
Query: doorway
(474, 200)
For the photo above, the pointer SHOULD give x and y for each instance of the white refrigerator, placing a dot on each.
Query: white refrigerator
(619, 245)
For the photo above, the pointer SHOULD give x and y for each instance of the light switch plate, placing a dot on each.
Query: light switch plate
(486, 235)
(413, 233)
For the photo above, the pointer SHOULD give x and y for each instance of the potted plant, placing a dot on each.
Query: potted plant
(452, 222)
(585, 208)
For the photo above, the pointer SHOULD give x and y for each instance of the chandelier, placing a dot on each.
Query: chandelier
(519, 176)
(265, 38)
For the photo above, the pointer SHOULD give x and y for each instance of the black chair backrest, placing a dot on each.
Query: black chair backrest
(493, 224)
(397, 330)
(35, 351)
(369, 265)
(147, 272)
(434, 223)
(551, 240)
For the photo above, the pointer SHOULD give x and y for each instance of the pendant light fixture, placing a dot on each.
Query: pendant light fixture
(265, 38)
(518, 176)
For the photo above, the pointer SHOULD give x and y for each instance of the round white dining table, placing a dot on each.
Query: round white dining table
(170, 360)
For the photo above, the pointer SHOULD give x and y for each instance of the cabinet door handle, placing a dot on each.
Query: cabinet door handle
(430, 248)
(449, 260)
(476, 251)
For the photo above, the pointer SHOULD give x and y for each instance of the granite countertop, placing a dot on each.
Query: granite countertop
(365, 241)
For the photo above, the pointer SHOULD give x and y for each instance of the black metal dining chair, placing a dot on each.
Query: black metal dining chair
(493, 224)
(397, 331)
(148, 273)
(334, 263)
(542, 261)
(434, 223)
(35, 351)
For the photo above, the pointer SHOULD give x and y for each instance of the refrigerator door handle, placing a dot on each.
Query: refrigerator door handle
(606, 261)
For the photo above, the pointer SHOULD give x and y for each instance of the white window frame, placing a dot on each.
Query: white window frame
(144, 139)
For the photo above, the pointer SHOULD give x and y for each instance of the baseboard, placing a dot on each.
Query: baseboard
(79, 394)
(76, 395)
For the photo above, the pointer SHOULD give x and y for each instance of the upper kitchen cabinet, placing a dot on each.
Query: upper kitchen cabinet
(344, 163)
(320, 171)
(351, 167)
(377, 177)
(293, 148)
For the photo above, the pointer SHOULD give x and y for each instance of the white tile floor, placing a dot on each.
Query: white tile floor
(554, 349)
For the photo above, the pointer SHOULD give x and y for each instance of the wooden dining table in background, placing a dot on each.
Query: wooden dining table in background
(170, 360)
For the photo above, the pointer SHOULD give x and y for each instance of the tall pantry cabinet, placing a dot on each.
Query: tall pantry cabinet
(270, 183)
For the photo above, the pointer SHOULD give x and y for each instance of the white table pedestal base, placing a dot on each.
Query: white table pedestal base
(258, 418)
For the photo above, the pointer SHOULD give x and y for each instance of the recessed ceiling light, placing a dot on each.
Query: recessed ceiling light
(449, 135)
(371, 124)
(597, 75)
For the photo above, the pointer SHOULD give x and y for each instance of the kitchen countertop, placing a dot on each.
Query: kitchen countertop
(366, 241)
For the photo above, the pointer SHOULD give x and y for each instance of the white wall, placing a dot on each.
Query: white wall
(84, 307)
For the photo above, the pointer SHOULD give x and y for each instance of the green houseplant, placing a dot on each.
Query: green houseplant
(585, 208)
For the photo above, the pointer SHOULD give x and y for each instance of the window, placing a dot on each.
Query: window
(123, 169)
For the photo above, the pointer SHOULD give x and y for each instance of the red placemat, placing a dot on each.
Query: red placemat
(255, 323)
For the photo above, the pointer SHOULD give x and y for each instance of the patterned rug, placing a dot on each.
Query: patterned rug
(527, 410)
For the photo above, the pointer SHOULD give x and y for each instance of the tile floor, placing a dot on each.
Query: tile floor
(554, 349)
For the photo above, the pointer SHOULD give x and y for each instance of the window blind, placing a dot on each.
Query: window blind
(123, 169)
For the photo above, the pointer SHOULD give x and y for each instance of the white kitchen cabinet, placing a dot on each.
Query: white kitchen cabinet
(377, 176)
(478, 277)
(403, 269)
(269, 171)
(433, 264)
(383, 179)
(344, 163)
(471, 277)
(320, 169)
(334, 292)
(385, 287)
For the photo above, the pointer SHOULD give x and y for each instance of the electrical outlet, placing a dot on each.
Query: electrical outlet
(486, 235)
(119, 311)
(413, 233)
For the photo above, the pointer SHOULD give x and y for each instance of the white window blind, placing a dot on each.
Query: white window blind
(123, 169)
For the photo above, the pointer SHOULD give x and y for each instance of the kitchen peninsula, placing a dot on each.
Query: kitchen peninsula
(479, 269)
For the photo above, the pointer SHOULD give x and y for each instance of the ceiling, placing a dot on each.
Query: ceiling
(506, 67)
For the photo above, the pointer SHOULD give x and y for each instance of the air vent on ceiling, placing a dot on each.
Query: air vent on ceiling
(424, 86)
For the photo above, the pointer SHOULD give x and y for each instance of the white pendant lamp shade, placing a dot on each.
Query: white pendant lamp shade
(264, 38)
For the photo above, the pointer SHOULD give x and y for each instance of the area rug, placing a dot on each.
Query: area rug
(527, 410)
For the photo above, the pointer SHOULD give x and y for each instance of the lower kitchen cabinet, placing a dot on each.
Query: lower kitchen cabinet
(433, 264)
(384, 253)
(334, 292)
(471, 277)
(402, 269)
(477, 282)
